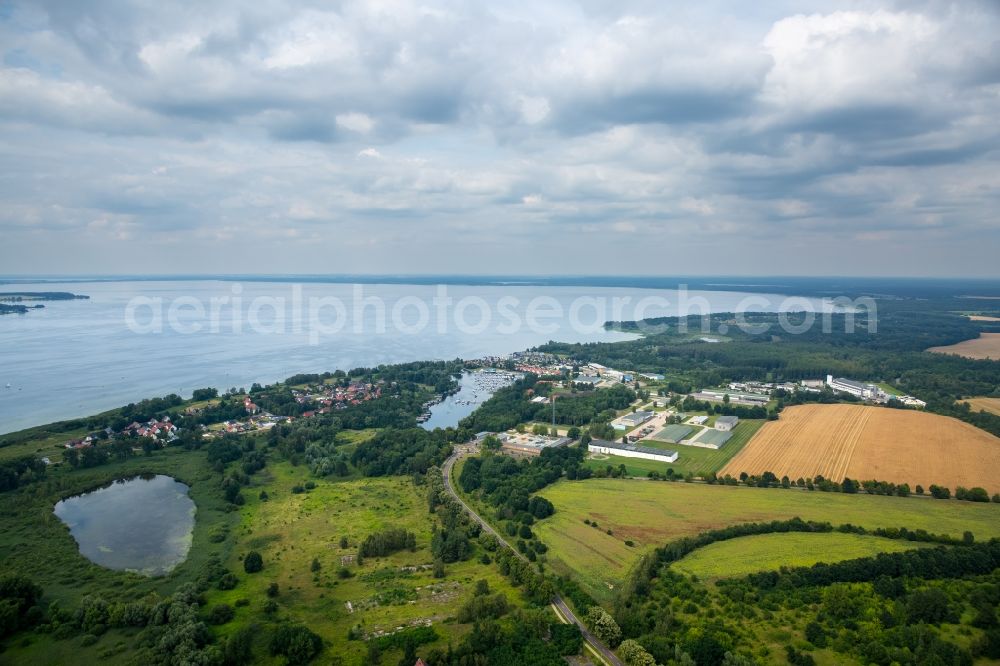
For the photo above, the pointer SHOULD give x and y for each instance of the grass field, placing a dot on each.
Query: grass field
(991, 405)
(860, 442)
(651, 513)
(765, 552)
(987, 345)
(290, 530)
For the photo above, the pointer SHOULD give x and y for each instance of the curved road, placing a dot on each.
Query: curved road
(607, 655)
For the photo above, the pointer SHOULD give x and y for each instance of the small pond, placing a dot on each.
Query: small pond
(142, 524)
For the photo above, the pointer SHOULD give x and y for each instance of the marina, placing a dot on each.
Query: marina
(475, 388)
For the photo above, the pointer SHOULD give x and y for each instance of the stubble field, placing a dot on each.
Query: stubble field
(991, 405)
(860, 442)
(987, 345)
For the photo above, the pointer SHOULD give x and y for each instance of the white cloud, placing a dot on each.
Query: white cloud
(356, 122)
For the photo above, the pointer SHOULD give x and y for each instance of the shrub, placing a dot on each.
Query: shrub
(253, 562)
(603, 625)
(297, 643)
(228, 581)
(221, 614)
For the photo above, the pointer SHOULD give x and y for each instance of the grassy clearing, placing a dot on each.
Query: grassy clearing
(765, 552)
(651, 513)
(42, 443)
(291, 530)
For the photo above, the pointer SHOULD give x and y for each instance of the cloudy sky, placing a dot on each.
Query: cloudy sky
(511, 137)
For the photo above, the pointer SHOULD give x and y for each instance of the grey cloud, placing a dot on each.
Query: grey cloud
(650, 127)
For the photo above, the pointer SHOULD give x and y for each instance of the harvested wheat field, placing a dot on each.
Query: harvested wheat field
(987, 345)
(901, 446)
(991, 405)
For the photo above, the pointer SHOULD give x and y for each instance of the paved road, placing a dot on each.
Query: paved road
(608, 656)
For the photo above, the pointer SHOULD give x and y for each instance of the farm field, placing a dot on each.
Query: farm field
(987, 345)
(765, 552)
(651, 513)
(860, 442)
(991, 405)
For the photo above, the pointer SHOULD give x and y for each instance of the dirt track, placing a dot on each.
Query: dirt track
(902, 446)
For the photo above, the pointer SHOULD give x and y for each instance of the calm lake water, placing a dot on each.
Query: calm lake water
(75, 358)
(140, 524)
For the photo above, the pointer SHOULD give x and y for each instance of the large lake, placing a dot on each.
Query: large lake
(141, 524)
(75, 358)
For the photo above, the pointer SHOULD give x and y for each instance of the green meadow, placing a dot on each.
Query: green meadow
(381, 596)
(750, 554)
(651, 513)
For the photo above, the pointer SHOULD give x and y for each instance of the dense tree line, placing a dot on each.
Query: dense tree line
(19, 608)
(930, 563)
(878, 609)
(520, 637)
(508, 483)
(455, 530)
(387, 541)
(19, 471)
(409, 451)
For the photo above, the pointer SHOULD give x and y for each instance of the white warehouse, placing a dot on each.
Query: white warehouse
(631, 451)
(865, 391)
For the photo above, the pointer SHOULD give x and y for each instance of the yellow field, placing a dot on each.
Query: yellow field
(987, 345)
(991, 405)
(901, 446)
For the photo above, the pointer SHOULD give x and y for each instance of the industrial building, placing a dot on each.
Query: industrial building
(631, 451)
(716, 395)
(710, 439)
(636, 418)
(726, 423)
(524, 444)
(863, 391)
